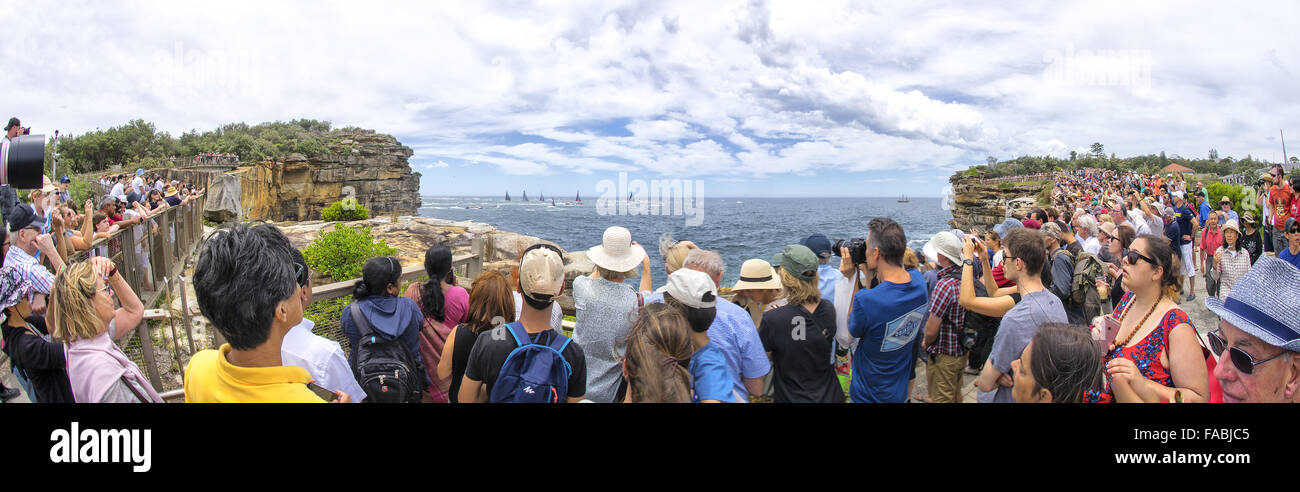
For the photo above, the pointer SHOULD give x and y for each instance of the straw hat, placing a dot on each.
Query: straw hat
(757, 274)
(171, 191)
(616, 251)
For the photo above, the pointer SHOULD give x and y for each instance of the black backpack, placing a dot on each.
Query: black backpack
(975, 322)
(385, 370)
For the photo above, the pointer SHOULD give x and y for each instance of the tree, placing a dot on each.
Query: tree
(1295, 159)
(1098, 150)
(1214, 154)
(993, 161)
(1074, 155)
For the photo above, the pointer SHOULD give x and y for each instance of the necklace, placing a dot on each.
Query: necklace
(1115, 345)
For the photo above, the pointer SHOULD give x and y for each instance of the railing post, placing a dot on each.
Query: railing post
(150, 360)
(475, 265)
(185, 312)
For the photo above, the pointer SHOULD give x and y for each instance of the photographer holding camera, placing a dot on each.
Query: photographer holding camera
(887, 317)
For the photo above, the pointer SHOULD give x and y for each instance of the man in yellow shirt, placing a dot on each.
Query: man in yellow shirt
(246, 284)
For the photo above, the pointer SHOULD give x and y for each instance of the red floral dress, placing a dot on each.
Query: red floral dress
(1145, 355)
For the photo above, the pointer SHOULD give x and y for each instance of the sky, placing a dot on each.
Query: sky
(751, 98)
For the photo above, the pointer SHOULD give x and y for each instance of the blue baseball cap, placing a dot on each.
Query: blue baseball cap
(139, 172)
(819, 245)
(1006, 226)
(65, 179)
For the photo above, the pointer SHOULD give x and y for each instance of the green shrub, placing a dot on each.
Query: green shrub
(1243, 197)
(345, 210)
(341, 253)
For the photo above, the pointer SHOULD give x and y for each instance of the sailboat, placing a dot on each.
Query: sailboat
(577, 199)
(903, 199)
(542, 198)
(525, 195)
(552, 203)
(507, 196)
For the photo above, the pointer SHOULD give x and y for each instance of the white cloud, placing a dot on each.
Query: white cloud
(731, 88)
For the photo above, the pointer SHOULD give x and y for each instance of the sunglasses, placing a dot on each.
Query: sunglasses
(1132, 257)
(1244, 362)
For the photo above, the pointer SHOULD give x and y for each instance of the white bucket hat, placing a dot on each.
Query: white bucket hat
(616, 251)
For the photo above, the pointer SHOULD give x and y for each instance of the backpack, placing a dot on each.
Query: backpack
(1083, 287)
(533, 373)
(386, 371)
(1047, 266)
(975, 322)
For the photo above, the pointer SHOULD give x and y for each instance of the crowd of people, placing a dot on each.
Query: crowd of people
(61, 317)
(1077, 302)
(1037, 309)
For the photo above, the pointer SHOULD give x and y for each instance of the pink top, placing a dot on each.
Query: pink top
(433, 335)
(96, 364)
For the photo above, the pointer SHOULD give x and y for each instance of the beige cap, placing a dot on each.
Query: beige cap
(1108, 228)
(757, 274)
(541, 273)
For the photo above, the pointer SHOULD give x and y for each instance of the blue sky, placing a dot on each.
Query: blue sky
(753, 97)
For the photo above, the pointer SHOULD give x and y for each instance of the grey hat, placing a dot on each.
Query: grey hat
(1006, 226)
(1263, 303)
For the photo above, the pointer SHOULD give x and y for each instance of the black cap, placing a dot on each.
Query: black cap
(12, 123)
(22, 215)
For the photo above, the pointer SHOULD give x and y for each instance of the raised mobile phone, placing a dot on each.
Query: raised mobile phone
(324, 394)
(1111, 329)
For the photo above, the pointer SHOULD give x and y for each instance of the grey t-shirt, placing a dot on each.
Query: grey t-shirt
(1018, 327)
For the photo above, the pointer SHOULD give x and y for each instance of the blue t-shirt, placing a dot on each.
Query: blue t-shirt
(734, 335)
(887, 319)
(1285, 255)
(1205, 212)
(1184, 214)
(711, 377)
(826, 277)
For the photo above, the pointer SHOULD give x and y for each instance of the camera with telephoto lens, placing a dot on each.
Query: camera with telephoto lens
(857, 249)
(23, 161)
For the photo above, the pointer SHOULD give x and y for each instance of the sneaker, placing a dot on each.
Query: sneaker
(9, 394)
(1190, 297)
(972, 371)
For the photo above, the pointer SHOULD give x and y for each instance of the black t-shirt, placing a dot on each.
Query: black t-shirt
(1253, 245)
(491, 349)
(465, 338)
(802, 347)
(42, 362)
(174, 201)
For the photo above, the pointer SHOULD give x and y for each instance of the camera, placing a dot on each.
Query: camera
(857, 249)
(23, 161)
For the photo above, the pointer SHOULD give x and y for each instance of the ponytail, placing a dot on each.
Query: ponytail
(437, 263)
(376, 276)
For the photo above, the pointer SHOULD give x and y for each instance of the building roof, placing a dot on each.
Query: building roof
(1176, 168)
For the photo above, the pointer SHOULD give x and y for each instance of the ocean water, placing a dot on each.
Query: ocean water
(738, 228)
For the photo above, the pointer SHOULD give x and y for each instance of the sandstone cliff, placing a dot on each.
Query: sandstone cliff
(978, 203)
(371, 167)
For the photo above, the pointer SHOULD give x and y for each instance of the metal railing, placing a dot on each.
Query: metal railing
(151, 256)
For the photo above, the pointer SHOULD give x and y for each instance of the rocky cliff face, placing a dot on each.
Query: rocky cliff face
(981, 204)
(370, 167)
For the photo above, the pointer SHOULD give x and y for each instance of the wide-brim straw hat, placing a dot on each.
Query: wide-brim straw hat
(616, 251)
(757, 274)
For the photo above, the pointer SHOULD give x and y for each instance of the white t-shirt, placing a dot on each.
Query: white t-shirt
(322, 358)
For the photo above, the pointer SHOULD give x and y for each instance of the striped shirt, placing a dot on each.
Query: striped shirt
(40, 277)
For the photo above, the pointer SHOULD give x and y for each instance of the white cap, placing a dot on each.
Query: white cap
(692, 288)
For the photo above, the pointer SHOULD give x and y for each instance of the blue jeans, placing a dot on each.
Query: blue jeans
(1279, 241)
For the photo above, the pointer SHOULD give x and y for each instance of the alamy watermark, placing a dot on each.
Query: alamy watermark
(218, 71)
(656, 197)
(1118, 68)
(76, 445)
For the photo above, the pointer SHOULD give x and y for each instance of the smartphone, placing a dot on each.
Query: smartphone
(1111, 329)
(330, 396)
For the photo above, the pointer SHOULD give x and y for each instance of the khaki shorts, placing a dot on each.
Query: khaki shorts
(944, 378)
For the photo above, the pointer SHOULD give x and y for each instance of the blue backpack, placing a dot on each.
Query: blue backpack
(533, 373)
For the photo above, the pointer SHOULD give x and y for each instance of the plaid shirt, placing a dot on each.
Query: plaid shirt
(944, 305)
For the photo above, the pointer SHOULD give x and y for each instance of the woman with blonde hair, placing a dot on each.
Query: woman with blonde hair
(81, 315)
(657, 347)
(800, 336)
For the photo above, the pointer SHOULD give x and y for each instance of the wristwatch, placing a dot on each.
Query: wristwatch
(968, 262)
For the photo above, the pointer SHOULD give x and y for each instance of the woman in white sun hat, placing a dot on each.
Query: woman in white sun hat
(607, 309)
(758, 288)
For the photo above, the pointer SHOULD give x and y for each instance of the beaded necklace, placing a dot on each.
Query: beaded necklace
(1137, 328)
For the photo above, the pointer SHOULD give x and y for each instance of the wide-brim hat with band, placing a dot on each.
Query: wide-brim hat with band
(171, 191)
(616, 251)
(1263, 303)
(757, 274)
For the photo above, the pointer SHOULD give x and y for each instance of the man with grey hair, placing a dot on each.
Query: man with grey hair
(1086, 227)
(733, 331)
(1259, 335)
